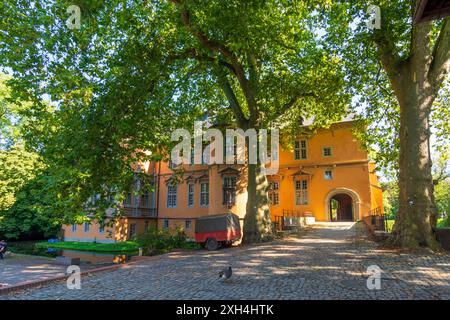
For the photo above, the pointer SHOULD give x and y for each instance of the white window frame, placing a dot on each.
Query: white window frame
(331, 152)
(231, 183)
(172, 192)
(274, 193)
(299, 149)
(301, 192)
(204, 194)
(191, 195)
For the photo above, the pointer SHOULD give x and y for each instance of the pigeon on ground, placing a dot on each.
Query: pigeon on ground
(226, 273)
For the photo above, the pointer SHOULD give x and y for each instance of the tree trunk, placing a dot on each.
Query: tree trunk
(417, 212)
(257, 223)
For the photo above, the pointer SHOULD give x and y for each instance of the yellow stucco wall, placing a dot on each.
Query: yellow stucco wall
(352, 172)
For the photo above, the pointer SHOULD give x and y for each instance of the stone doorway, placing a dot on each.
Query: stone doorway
(341, 208)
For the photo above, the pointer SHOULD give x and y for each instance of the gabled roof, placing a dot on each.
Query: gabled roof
(229, 170)
(302, 173)
(431, 10)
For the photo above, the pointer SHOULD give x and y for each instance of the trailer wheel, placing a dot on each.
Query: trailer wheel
(212, 244)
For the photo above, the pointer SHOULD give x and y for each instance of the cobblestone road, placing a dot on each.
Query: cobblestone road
(328, 262)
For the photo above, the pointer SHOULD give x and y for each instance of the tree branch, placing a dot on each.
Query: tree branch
(234, 103)
(288, 105)
(440, 66)
(388, 56)
(214, 46)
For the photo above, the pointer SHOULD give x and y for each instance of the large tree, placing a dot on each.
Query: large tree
(138, 69)
(403, 64)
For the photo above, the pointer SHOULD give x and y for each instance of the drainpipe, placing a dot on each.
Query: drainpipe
(157, 192)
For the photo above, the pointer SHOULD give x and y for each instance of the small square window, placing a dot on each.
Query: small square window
(328, 175)
(327, 152)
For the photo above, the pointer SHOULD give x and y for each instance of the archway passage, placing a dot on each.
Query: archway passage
(341, 208)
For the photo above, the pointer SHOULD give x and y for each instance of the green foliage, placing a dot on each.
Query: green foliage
(374, 101)
(441, 176)
(31, 215)
(156, 241)
(17, 167)
(443, 223)
(390, 199)
(136, 70)
(442, 195)
(25, 206)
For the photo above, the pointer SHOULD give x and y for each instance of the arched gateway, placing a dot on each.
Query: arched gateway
(342, 204)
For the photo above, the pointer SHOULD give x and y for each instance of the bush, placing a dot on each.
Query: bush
(444, 223)
(157, 241)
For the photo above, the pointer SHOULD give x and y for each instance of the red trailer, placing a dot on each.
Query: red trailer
(216, 231)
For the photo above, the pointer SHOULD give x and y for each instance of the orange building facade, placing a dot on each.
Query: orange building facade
(327, 176)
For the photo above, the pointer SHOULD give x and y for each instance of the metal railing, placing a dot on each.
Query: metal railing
(139, 212)
(290, 219)
(376, 220)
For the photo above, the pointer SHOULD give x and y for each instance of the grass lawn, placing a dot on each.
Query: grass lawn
(390, 224)
(91, 246)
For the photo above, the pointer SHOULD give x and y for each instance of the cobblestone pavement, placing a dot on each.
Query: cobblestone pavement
(17, 268)
(328, 262)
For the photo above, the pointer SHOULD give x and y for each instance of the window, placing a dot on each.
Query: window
(300, 152)
(192, 157)
(327, 151)
(86, 227)
(272, 152)
(188, 224)
(145, 200)
(206, 157)
(190, 195)
(166, 224)
(328, 175)
(171, 196)
(172, 165)
(101, 229)
(229, 190)
(230, 149)
(301, 192)
(146, 226)
(74, 227)
(204, 194)
(132, 230)
(274, 197)
(127, 200)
